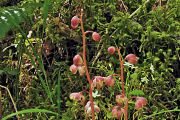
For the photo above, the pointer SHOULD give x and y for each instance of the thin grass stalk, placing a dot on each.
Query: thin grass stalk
(0, 107)
(11, 100)
(58, 95)
(40, 63)
(45, 15)
(85, 64)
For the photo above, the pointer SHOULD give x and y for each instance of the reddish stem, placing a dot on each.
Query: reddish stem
(116, 75)
(85, 64)
(84, 91)
(89, 32)
(121, 63)
(126, 108)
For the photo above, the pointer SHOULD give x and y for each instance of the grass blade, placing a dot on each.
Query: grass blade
(29, 111)
(58, 95)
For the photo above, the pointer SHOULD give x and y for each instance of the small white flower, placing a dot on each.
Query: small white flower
(95, 94)
(4, 18)
(29, 34)
(152, 68)
(22, 9)
(15, 11)
(129, 65)
(7, 12)
(144, 79)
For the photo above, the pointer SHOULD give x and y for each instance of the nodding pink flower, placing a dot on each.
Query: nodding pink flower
(117, 112)
(73, 69)
(88, 107)
(81, 70)
(74, 22)
(98, 81)
(77, 60)
(77, 97)
(109, 81)
(111, 50)
(95, 36)
(140, 102)
(131, 58)
(120, 99)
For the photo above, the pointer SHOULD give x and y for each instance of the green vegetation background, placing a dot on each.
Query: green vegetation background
(36, 70)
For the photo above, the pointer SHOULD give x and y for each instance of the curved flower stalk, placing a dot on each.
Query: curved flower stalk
(80, 65)
(121, 99)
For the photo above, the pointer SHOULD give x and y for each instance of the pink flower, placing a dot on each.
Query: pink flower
(74, 22)
(140, 102)
(77, 60)
(131, 58)
(77, 97)
(111, 50)
(120, 99)
(117, 112)
(95, 36)
(109, 81)
(73, 69)
(81, 70)
(98, 81)
(88, 107)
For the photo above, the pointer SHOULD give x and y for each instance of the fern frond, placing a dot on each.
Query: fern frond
(9, 17)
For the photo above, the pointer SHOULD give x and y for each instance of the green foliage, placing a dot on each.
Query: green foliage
(10, 16)
(152, 33)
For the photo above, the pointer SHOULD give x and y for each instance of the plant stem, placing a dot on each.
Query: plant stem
(126, 108)
(85, 64)
(121, 63)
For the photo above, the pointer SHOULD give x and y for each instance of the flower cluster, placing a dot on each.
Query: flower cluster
(77, 65)
(99, 80)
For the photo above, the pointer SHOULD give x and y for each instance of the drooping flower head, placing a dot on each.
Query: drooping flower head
(74, 22)
(88, 107)
(98, 81)
(111, 50)
(109, 81)
(120, 99)
(77, 97)
(140, 102)
(77, 60)
(117, 112)
(95, 36)
(131, 58)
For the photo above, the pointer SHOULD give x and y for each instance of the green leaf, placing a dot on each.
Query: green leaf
(1, 71)
(137, 93)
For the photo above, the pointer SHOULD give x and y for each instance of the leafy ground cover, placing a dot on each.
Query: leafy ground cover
(38, 43)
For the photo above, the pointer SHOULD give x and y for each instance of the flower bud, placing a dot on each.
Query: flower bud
(95, 36)
(117, 112)
(131, 58)
(140, 102)
(73, 69)
(120, 99)
(77, 60)
(109, 81)
(111, 50)
(74, 22)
